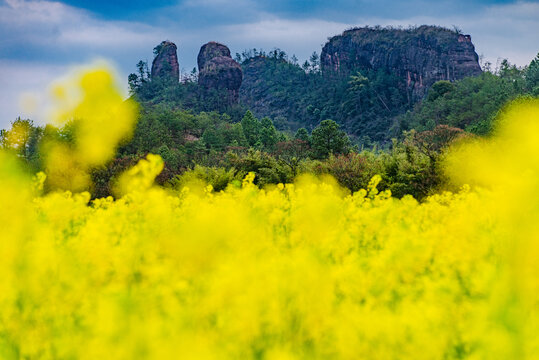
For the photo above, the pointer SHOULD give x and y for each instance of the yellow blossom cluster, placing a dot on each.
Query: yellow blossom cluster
(295, 271)
(90, 105)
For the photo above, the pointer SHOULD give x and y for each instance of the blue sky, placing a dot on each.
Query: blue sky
(42, 40)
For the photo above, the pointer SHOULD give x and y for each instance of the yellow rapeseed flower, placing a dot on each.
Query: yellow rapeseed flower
(302, 271)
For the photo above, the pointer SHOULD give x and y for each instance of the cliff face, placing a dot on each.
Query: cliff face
(420, 56)
(165, 64)
(217, 70)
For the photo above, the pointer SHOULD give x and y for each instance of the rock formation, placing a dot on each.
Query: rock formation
(420, 56)
(211, 50)
(217, 70)
(165, 64)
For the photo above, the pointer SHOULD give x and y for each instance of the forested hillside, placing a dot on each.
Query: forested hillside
(344, 114)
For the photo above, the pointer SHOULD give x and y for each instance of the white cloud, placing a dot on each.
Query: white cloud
(109, 35)
(299, 37)
(39, 30)
(25, 89)
(282, 31)
(499, 31)
(507, 31)
(47, 22)
(39, 11)
(20, 81)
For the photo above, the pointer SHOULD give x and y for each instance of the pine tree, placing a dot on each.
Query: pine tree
(328, 139)
(268, 133)
(251, 128)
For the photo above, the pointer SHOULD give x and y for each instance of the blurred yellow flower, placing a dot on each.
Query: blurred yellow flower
(299, 271)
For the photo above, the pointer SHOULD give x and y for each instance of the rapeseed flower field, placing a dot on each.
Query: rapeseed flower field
(295, 271)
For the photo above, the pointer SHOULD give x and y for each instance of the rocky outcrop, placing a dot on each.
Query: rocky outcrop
(217, 70)
(221, 72)
(210, 51)
(165, 64)
(420, 56)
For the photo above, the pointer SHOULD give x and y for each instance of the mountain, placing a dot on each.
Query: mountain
(421, 56)
(364, 79)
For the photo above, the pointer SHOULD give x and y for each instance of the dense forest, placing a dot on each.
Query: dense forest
(289, 118)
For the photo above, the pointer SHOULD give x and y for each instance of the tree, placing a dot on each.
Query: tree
(194, 75)
(251, 128)
(457, 30)
(471, 104)
(433, 142)
(532, 76)
(18, 137)
(513, 75)
(315, 61)
(353, 170)
(303, 135)
(213, 139)
(357, 85)
(357, 81)
(440, 88)
(133, 82)
(143, 71)
(157, 49)
(233, 135)
(290, 153)
(328, 139)
(268, 133)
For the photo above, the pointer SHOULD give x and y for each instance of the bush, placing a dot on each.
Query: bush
(354, 171)
(218, 178)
